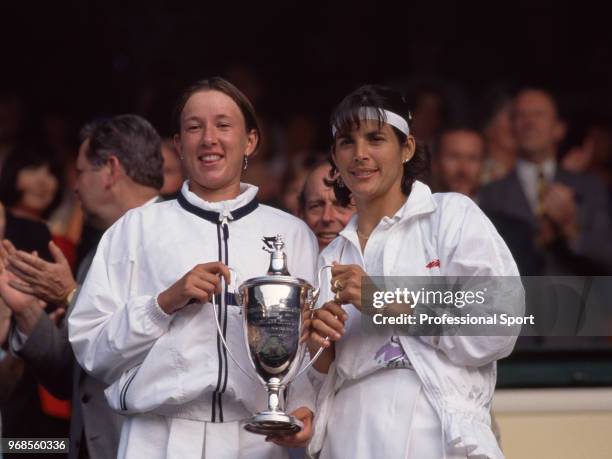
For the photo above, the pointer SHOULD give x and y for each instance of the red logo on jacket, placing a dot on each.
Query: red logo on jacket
(433, 264)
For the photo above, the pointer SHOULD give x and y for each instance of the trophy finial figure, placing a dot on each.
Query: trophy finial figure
(274, 245)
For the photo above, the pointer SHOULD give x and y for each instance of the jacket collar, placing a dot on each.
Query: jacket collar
(232, 209)
(419, 202)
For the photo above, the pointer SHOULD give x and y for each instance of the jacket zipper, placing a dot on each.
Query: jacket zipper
(222, 375)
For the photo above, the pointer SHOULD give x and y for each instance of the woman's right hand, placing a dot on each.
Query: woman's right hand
(328, 321)
(201, 283)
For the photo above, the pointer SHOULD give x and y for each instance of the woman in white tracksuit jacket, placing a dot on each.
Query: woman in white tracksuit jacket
(392, 395)
(143, 321)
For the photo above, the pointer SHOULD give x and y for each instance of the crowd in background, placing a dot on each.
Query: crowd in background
(549, 197)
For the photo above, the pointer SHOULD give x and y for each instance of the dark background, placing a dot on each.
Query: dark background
(93, 58)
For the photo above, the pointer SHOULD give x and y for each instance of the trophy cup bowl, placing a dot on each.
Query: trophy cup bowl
(273, 308)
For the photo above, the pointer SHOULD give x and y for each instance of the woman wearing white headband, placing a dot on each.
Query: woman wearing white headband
(387, 395)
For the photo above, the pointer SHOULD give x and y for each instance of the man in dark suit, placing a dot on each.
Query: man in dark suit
(119, 167)
(566, 212)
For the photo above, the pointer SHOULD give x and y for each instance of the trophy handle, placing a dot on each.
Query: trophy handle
(214, 303)
(315, 296)
(235, 280)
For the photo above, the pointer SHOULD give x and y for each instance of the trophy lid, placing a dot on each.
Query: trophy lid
(277, 271)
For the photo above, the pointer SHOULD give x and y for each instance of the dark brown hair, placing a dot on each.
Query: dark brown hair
(227, 88)
(25, 157)
(346, 117)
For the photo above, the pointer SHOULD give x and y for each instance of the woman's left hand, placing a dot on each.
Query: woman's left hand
(346, 284)
(300, 439)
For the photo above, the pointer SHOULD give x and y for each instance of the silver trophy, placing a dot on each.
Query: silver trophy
(273, 309)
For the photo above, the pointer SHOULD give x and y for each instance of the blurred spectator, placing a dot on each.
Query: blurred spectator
(291, 187)
(567, 212)
(500, 145)
(320, 209)
(31, 187)
(458, 159)
(173, 170)
(119, 168)
(31, 183)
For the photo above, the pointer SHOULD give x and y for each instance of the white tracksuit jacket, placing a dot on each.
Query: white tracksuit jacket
(170, 373)
(443, 234)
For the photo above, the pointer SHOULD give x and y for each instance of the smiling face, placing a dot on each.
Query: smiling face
(370, 161)
(213, 142)
(322, 212)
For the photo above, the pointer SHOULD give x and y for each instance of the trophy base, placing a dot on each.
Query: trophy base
(273, 423)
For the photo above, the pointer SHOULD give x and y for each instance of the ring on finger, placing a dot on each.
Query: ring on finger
(338, 286)
(337, 296)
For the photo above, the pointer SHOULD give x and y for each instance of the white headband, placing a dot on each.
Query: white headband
(373, 113)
